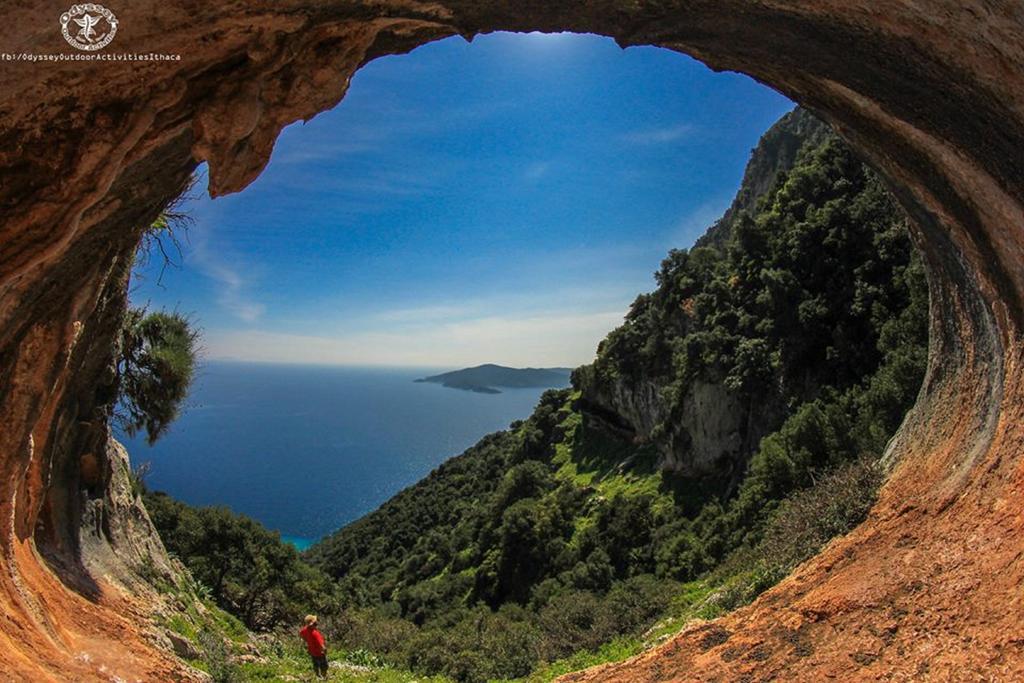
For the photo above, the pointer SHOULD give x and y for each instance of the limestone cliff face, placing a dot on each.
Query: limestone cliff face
(708, 438)
(776, 152)
(119, 542)
(932, 95)
(712, 431)
(715, 431)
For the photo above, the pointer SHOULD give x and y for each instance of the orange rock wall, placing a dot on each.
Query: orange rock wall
(930, 91)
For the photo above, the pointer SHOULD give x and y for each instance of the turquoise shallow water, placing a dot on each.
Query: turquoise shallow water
(306, 450)
(299, 542)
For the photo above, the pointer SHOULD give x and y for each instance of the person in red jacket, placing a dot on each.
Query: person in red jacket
(315, 646)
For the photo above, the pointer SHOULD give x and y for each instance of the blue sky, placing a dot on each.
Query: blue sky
(501, 201)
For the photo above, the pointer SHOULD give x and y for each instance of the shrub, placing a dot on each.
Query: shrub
(568, 622)
(632, 605)
(805, 522)
(372, 631)
(158, 361)
(250, 572)
(217, 659)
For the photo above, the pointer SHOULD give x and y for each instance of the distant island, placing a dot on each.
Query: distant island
(484, 378)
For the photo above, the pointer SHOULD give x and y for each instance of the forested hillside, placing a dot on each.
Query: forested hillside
(726, 431)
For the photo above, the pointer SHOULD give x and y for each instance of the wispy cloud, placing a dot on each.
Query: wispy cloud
(389, 128)
(536, 171)
(313, 153)
(396, 182)
(426, 314)
(559, 339)
(659, 136)
(571, 300)
(232, 295)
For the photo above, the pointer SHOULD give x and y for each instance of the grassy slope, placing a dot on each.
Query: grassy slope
(586, 457)
(589, 457)
(229, 652)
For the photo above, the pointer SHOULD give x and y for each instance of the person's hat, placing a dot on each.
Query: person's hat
(310, 619)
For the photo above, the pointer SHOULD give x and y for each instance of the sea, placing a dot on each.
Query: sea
(307, 449)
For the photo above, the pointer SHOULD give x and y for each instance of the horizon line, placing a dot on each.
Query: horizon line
(395, 366)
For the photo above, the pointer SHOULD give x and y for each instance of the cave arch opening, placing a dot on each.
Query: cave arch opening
(469, 203)
(916, 92)
(590, 175)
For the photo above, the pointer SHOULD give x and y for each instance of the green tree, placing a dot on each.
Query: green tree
(158, 361)
(249, 570)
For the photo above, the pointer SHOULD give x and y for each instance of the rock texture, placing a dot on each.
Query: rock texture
(715, 433)
(711, 437)
(117, 540)
(932, 93)
(776, 152)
